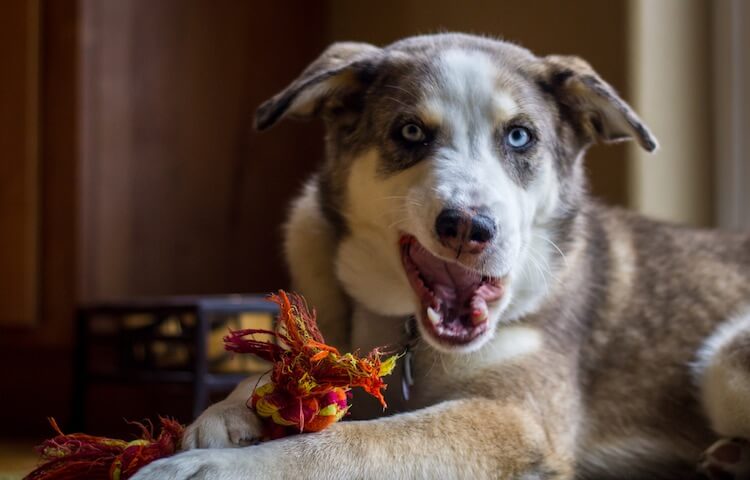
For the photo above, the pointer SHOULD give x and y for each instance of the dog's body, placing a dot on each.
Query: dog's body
(559, 338)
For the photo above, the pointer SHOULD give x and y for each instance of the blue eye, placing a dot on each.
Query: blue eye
(411, 132)
(518, 138)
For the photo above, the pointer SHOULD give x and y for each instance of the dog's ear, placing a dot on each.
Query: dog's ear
(590, 103)
(342, 69)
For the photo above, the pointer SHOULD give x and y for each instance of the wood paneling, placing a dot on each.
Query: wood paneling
(19, 163)
(181, 196)
(60, 125)
(56, 182)
(36, 361)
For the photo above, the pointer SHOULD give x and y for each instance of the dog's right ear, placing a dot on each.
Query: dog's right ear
(342, 69)
(590, 103)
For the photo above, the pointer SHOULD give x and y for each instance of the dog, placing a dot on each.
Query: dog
(557, 338)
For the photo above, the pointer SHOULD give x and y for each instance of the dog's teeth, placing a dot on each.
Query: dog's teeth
(433, 316)
(478, 316)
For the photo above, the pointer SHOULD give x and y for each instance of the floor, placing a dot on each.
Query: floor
(17, 458)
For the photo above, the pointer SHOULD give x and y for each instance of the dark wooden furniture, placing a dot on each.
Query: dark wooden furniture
(116, 342)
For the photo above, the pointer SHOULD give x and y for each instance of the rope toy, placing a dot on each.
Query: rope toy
(82, 456)
(309, 390)
(310, 381)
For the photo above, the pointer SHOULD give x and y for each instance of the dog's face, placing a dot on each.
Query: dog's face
(454, 173)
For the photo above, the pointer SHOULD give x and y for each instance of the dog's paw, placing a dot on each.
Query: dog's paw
(727, 459)
(223, 425)
(195, 464)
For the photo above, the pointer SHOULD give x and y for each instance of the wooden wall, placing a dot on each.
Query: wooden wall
(180, 195)
(20, 188)
(35, 356)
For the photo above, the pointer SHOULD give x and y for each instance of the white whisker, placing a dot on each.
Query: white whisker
(565, 259)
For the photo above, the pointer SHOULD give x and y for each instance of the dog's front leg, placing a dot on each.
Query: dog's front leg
(468, 438)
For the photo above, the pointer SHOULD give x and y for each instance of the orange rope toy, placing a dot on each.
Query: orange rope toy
(310, 381)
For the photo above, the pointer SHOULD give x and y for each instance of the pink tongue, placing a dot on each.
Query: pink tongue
(460, 290)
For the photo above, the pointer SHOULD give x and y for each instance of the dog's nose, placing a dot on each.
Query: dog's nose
(482, 228)
(464, 231)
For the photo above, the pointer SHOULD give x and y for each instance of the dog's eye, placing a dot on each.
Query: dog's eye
(518, 138)
(411, 132)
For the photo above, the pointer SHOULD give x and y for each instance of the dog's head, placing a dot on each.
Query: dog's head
(454, 172)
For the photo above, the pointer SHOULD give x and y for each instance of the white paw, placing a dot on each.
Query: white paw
(226, 424)
(195, 464)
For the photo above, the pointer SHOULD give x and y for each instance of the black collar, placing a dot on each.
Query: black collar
(411, 337)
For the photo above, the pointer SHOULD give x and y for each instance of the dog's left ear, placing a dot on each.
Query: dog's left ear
(342, 69)
(591, 103)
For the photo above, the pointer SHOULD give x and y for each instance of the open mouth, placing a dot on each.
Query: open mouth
(454, 298)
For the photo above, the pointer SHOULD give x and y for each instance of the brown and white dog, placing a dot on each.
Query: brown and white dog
(558, 338)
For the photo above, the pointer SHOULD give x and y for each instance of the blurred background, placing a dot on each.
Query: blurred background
(129, 168)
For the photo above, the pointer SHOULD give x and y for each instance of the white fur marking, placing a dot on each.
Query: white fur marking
(512, 341)
(508, 343)
(725, 386)
(721, 336)
(505, 107)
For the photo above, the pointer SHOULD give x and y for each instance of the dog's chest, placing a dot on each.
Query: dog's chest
(425, 376)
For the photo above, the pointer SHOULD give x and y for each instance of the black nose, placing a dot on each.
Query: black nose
(482, 228)
(449, 222)
(463, 230)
